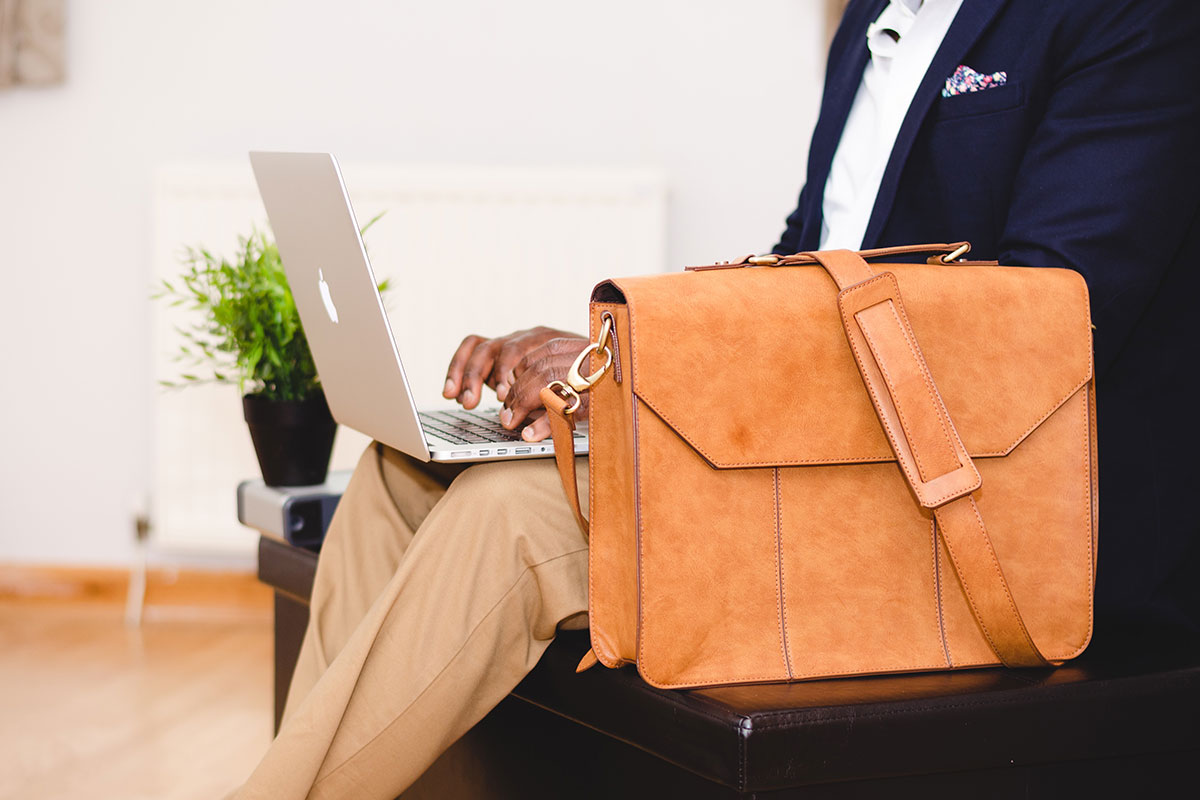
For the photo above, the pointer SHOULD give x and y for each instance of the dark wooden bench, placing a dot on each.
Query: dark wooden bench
(1120, 721)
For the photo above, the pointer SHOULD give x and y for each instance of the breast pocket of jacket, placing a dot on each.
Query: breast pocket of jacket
(976, 104)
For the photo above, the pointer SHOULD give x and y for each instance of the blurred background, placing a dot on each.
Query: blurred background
(711, 102)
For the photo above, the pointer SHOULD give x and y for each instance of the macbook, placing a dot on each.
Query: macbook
(355, 351)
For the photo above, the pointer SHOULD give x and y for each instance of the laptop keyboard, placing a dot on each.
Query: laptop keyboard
(468, 427)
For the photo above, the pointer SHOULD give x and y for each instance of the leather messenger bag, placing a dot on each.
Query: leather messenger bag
(822, 467)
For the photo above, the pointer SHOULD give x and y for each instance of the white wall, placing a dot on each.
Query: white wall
(720, 95)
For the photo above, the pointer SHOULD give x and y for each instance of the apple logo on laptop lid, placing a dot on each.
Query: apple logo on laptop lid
(326, 298)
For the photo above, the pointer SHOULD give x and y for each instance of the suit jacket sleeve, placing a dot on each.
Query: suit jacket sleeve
(1109, 181)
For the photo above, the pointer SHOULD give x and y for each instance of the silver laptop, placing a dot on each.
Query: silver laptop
(347, 328)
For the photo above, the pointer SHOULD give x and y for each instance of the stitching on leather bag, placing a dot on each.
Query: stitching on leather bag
(1012, 606)
(1089, 570)
(616, 345)
(1025, 434)
(617, 659)
(633, 350)
(875, 458)
(967, 590)
(930, 389)
(644, 667)
(942, 599)
(889, 383)
(667, 419)
(937, 592)
(876, 670)
(996, 568)
(783, 639)
(591, 505)
(637, 522)
(880, 669)
(1094, 489)
(1087, 514)
(1088, 377)
(933, 396)
(858, 358)
(884, 669)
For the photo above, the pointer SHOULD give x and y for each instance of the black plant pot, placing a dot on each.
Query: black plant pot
(293, 440)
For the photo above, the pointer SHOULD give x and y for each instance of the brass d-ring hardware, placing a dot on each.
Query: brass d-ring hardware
(575, 377)
(566, 393)
(582, 383)
(605, 331)
(958, 253)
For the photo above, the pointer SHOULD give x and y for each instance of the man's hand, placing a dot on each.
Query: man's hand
(517, 366)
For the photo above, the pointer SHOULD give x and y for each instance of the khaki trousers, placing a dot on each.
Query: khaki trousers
(436, 592)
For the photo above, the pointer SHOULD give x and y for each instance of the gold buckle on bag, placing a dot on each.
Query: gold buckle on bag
(575, 378)
(576, 381)
(566, 393)
(959, 252)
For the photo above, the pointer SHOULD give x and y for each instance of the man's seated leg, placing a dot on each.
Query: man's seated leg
(475, 596)
(387, 499)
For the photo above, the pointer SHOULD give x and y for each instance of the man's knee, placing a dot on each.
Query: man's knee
(514, 504)
(507, 482)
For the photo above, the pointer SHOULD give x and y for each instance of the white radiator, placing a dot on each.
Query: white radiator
(479, 250)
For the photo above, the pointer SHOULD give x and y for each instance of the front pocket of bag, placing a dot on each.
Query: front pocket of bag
(859, 576)
(708, 578)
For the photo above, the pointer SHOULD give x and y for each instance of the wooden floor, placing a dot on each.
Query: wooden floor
(179, 707)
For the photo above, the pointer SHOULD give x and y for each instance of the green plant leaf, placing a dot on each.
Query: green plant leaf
(247, 329)
(363, 230)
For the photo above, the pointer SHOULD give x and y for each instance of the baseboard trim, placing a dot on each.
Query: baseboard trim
(175, 589)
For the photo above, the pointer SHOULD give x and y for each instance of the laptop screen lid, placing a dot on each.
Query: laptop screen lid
(336, 295)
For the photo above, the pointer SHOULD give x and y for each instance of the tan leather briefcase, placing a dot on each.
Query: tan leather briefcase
(820, 467)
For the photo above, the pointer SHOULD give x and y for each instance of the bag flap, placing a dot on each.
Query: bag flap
(752, 368)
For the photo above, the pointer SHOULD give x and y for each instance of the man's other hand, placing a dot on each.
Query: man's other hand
(517, 366)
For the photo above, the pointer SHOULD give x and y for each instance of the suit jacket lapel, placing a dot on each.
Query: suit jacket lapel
(973, 17)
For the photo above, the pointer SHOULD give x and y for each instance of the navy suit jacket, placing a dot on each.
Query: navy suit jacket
(1088, 158)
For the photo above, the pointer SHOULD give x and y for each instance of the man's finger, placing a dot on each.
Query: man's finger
(524, 396)
(537, 430)
(512, 351)
(459, 361)
(479, 366)
(504, 385)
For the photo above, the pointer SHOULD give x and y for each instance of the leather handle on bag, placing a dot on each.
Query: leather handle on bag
(926, 444)
(942, 254)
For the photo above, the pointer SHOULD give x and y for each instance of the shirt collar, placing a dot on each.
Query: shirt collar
(885, 33)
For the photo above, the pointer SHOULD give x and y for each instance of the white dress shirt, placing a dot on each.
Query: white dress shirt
(902, 43)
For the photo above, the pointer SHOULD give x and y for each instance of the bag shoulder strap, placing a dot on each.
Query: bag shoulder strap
(928, 448)
(562, 432)
(562, 429)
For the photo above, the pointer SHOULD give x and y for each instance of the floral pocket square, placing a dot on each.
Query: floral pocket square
(966, 80)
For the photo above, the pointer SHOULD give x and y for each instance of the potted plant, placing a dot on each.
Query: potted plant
(251, 335)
